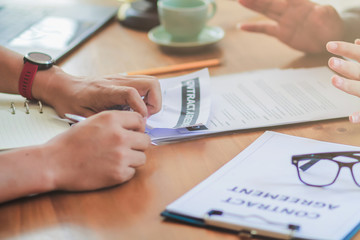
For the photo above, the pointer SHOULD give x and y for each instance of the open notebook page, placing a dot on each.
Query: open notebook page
(19, 129)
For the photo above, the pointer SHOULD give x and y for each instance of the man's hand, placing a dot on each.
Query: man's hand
(301, 24)
(102, 151)
(89, 95)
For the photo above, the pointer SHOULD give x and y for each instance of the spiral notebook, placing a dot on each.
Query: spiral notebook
(25, 123)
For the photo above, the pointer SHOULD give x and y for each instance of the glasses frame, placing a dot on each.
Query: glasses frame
(315, 157)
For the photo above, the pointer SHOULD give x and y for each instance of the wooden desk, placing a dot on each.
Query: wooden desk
(132, 210)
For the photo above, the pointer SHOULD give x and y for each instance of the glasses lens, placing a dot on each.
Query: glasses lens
(318, 172)
(356, 173)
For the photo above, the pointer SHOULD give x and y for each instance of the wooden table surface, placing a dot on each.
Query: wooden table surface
(132, 210)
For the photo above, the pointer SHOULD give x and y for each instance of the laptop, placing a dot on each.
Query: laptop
(52, 29)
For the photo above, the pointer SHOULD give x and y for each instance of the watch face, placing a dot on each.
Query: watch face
(40, 58)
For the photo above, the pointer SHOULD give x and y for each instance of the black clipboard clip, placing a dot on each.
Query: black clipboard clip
(213, 218)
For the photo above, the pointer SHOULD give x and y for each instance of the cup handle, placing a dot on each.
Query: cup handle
(213, 9)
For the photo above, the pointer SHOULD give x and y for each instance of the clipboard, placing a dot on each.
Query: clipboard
(241, 230)
(199, 208)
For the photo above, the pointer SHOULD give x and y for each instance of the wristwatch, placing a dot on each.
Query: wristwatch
(33, 62)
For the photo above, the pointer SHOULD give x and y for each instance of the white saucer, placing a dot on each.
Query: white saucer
(209, 35)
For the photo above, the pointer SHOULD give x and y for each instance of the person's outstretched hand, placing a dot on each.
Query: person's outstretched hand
(301, 24)
(349, 81)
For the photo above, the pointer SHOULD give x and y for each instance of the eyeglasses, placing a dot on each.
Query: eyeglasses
(322, 169)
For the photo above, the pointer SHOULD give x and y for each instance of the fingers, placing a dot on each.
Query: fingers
(131, 145)
(129, 127)
(270, 8)
(345, 49)
(348, 69)
(123, 96)
(355, 117)
(115, 121)
(107, 146)
(138, 141)
(138, 159)
(153, 101)
(85, 112)
(266, 27)
(349, 86)
(127, 120)
(148, 87)
(125, 173)
(134, 100)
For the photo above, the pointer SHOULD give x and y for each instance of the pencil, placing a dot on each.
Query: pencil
(177, 67)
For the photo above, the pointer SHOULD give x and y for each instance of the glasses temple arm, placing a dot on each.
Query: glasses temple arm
(309, 164)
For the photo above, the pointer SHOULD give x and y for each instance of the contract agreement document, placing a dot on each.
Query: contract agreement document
(261, 99)
(259, 191)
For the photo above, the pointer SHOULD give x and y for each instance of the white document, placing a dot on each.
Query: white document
(268, 98)
(262, 182)
(20, 128)
(186, 101)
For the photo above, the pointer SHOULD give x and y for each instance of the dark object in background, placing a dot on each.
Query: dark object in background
(140, 14)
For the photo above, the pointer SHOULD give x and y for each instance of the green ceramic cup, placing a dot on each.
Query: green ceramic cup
(184, 19)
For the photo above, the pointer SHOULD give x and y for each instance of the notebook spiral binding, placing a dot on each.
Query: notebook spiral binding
(27, 108)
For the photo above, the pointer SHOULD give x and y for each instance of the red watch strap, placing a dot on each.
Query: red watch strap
(26, 79)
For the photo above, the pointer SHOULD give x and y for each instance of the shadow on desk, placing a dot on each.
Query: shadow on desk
(309, 61)
(213, 50)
